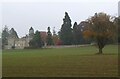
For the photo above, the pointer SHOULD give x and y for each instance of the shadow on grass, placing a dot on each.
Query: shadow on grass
(106, 54)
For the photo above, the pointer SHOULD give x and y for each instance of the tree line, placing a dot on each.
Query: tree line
(100, 28)
(37, 42)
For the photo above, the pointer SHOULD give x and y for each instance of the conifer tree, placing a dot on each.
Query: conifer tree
(36, 42)
(66, 30)
(49, 37)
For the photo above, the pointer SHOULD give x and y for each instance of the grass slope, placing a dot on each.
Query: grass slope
(60, 62)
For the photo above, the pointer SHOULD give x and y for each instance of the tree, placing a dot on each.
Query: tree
(75, 34)
(5, 35)
(118, 26)
(36, 42)
(55, 37)
(66, 30)
(101, 29)
(49, 37)
(54, 32)
(117, 23)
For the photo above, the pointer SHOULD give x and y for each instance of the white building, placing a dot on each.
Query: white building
(19, 43)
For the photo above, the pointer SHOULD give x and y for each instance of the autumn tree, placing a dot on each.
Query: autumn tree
(101, 29)
(66, 30)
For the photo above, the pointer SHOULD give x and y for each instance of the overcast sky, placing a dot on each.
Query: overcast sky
(23, 14)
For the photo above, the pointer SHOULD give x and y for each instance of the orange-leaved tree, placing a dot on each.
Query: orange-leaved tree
(101, 29)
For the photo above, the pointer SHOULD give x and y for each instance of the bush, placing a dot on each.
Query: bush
(31, 47)
(13, 47)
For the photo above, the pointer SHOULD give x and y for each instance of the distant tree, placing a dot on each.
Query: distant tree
(75, 34)
(55, 37)
(32, 43)
(117, 23)
(49, 37)
(81, 27)
(0, 34)
(36, 42)
(54, 32)
(5, 35)
(66, 30)
(101, 30)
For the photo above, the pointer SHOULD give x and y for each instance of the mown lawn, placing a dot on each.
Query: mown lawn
(60, 62)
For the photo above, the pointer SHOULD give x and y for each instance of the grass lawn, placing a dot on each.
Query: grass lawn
(61, 62)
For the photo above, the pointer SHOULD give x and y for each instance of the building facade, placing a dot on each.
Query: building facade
(14, 42)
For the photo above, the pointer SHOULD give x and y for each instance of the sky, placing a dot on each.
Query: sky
(40, 14)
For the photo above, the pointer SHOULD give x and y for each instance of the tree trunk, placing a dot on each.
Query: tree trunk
(100, 51)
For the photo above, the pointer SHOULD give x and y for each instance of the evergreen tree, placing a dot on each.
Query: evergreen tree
(54, 32)
(36, 42)
(75, 34)
(55, 37)
(5, 35)
(66, 31)
(49, 37)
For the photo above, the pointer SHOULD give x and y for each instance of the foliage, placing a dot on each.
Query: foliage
(75, 34)
(49, 37)
(55, 37)
(36, 42)
(117, 23)
(118, 29)
(101, 29)
(5, 35)
(13, 47)
(8, 34)
(66, 30)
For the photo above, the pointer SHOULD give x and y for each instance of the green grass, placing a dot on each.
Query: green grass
(60, 62)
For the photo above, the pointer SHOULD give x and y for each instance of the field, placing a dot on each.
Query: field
(61, 62)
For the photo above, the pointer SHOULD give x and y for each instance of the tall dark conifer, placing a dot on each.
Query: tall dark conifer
(75, 34)
(49, 37)
(66, 31)
(36, 42)
(5, 35)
